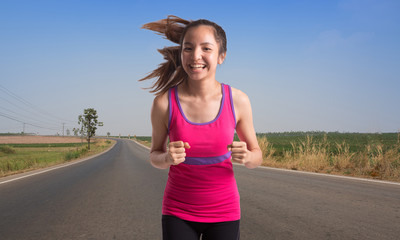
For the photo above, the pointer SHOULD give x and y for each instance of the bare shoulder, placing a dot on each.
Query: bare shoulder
(242, 105)
(160, 102)
(240, 99)
(159, 111)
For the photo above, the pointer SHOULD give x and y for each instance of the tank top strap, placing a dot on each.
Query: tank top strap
(173, 106)
(229, 102)
(226, 113)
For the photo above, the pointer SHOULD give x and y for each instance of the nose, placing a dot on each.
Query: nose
(196, 54)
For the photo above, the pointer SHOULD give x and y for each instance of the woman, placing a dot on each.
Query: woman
(199, 115)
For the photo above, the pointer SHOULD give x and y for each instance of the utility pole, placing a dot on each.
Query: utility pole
(23, 129)
(63, 128)
(398, 136)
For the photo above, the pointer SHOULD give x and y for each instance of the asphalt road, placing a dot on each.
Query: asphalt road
(118, 195)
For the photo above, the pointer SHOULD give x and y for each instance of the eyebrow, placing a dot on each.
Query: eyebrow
(204, 43)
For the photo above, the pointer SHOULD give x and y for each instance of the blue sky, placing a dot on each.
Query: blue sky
(306, 65)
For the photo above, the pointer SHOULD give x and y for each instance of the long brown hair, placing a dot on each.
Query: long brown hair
(171, 73)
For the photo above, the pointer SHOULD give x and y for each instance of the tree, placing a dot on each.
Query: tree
(76, 131)
(88, 122)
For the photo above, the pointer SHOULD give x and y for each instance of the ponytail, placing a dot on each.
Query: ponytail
(169, 73)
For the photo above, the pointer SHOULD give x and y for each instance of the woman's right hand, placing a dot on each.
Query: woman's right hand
(176, 152)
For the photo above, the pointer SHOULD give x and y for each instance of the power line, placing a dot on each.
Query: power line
(24, 122)
(32, 113)
(24, 117)
(27, 117)
(30, 105)
(8, 129)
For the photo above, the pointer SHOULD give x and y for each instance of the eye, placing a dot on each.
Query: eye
(207, 49)
(187, 49)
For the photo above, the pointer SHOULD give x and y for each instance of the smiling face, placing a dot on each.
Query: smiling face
(200, 53)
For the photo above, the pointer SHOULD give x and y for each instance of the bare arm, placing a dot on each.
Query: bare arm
(159, 122)
(160, 156)
(247, 150)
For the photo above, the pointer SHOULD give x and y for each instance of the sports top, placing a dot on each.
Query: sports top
(203, 188)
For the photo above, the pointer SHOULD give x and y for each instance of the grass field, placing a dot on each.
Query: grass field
(15, 158)
(370, 155)
(354, 154)
(144, 140)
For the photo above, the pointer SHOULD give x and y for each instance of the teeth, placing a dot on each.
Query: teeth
(197, 66)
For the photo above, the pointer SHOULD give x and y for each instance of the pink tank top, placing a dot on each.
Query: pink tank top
(203, 188)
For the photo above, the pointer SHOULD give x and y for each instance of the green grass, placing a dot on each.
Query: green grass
(6, 149)
(11, 134)
(144, 140)
(44, 145)
(357, 154)
(282, 142)
(372, 155)
(26, 157)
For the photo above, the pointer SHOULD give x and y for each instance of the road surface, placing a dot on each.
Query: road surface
(118, 195)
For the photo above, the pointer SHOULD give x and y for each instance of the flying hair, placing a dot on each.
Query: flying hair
(171, 73)
(172, 27)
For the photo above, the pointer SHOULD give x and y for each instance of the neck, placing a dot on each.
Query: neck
(201, 88)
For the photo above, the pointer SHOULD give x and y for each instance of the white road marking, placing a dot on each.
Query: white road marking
(36, 172)
(262, 167)
(313, 173)
(332, 175)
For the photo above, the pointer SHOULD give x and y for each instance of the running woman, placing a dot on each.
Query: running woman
(199, 116)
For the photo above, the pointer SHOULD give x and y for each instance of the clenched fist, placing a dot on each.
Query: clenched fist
(176, 152)
(239, 152)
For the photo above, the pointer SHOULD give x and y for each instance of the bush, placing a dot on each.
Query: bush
(72, 155)
(7, 149)
(75, 153)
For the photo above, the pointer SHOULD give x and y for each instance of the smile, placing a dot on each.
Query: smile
(197, 66)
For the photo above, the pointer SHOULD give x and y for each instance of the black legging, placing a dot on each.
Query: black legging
(175, 228)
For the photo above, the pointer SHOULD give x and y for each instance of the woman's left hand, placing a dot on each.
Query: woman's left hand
(240, 153)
